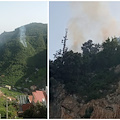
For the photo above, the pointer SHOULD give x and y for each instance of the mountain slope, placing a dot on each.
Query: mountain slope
(87, 84)
(22, 52)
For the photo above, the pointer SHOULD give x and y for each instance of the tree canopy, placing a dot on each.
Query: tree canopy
(37, 111)
(88, 73)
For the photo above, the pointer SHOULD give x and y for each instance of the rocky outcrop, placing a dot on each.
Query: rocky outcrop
(117, 69)
(102, 109)
(67, 106)
(55, 106)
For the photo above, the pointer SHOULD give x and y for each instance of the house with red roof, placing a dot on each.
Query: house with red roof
(38, 96)
(25, 102)
(26, 106)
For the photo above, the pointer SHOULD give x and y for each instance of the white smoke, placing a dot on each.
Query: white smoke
(23, 36)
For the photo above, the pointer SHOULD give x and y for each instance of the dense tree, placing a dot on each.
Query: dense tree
(89, 72)
(37, 111)
(18, 62)
(90, 48)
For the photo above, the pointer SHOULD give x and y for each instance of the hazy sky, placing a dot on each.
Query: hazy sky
(60, 14)
(14, 14)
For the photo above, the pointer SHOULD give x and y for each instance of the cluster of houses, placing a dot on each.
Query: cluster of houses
(26, 101)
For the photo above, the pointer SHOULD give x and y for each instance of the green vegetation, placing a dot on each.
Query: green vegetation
(89, 74)
(37, 78)
(17, 63)
(37, 111)
(10, 93)
(2, 106)
(12, 111)
(22, 67)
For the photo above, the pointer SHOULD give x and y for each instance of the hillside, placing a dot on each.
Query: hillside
(11, 96)
(86, 85)
(23, 56)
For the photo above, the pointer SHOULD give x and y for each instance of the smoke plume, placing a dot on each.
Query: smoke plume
(23, 36)
(91, 20)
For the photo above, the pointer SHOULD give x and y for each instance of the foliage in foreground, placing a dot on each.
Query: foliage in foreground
(37, 111)
(12, 110)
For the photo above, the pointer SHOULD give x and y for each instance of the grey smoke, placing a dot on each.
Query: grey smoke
(23, 36)
(91, 20)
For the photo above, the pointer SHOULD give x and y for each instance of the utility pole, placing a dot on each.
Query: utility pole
(64, 42)
(0, 116)
(6, 108)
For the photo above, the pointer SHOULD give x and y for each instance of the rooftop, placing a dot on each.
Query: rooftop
(38, 96)
(23, 99)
